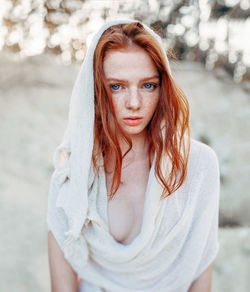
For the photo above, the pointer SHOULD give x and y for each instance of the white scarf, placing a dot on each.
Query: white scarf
(178, 236)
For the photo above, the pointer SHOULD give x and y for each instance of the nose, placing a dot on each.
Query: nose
(133, 100)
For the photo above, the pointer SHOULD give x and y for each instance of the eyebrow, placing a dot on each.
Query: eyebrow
(143, 79)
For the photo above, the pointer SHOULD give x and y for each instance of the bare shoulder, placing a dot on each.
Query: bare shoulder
(60, 268)
(203, 282)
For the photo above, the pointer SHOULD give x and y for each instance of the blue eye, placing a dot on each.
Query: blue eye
(150, 85)
(115, 86)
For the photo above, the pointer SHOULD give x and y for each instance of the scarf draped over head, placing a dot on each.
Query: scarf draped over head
(78, 200)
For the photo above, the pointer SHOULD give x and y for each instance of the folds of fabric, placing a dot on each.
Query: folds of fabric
(178, 238)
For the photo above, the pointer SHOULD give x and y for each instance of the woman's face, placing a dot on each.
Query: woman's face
(135, 86)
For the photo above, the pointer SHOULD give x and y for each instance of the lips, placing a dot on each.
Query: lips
(132, 121)
(133, 118)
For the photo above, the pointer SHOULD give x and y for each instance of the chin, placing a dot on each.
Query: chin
(134, 130)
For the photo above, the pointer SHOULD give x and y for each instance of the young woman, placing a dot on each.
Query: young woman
(134, 200)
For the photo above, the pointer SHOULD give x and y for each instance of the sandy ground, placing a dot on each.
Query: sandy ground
(34, 97)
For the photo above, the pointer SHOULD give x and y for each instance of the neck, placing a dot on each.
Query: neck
(139, 148)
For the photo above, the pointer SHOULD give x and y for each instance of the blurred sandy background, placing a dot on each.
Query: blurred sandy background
(42, 44)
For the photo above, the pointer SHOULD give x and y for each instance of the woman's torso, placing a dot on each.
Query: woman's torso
(125, 210)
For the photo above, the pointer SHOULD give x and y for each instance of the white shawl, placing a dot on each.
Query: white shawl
(179, 235)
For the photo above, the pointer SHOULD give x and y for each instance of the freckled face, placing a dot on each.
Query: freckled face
(135, 85)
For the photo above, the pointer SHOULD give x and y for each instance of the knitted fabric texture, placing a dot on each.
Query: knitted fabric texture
(179, 235)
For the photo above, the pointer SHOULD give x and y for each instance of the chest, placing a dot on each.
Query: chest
(125, 210)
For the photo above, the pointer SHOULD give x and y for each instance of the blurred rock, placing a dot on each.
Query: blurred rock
(232, 265)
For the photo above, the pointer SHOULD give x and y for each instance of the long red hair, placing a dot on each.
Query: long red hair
(172, 110)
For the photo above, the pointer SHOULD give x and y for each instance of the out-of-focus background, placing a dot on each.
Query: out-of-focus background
(42, 45)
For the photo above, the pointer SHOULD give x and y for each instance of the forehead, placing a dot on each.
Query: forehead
(128, 61)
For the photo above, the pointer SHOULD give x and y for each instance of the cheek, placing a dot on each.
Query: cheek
(117, 106)
(152, 104)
